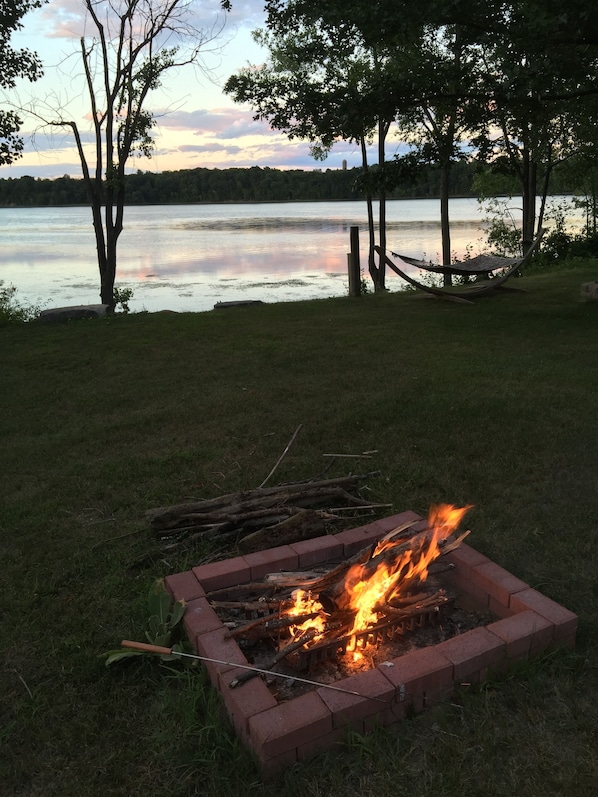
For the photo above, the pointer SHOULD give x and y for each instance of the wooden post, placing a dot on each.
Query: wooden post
(353, 264)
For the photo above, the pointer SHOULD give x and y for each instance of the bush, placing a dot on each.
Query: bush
(11, 310)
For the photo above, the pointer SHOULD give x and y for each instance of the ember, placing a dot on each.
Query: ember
(379, 594)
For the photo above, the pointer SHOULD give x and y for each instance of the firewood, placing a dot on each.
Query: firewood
(335, 596)
(244, 501)
(303, 525)
(423, 607)
(265, 626)
(282, 653)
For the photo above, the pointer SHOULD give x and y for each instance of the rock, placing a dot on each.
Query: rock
(56, 315)
(589, 291)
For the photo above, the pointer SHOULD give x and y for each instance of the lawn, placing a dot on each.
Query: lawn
(493, 404)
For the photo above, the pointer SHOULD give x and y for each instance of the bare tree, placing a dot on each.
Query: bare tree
(134, 43)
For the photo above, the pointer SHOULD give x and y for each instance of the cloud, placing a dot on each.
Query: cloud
(223, 123)
(210, 147)
(68, 19)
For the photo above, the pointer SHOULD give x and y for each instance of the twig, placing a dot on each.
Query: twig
(22, 680)
(349, 456)
(353, 508)
(281, 457)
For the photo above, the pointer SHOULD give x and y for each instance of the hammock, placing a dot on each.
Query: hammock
(482, 264)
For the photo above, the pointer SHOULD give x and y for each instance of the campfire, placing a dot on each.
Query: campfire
(379, 594)
(252, 601)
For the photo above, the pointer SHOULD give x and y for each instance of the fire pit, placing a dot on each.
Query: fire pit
(521, 623)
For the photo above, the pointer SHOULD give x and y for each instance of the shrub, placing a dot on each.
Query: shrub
(11, 310)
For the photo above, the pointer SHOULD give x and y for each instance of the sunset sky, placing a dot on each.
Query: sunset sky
(197, 125)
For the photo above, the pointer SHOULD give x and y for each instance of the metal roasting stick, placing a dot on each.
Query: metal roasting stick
(143, 646)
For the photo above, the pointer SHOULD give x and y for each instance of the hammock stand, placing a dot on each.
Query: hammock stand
(481, 264)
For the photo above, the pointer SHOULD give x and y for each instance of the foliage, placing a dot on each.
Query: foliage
(11, 310)
(14, 65)
(560, 243)
(325, 81)
(503, 232)
(122, 297)
(240, 185)
(163, 624)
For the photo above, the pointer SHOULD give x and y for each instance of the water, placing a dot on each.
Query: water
(188, 257)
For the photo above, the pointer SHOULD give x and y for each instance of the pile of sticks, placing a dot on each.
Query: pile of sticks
(267, 516)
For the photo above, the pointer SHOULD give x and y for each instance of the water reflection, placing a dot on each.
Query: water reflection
(189, 257)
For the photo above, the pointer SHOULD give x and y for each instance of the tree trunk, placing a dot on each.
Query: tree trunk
(380, 285)
(444, 218)
(529, 178)
(370, 211)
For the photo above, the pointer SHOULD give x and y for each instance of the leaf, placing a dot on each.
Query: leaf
(158, 601)
(178, 610)
(117, 655)
(154, 625)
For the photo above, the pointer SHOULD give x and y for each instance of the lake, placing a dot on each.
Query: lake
(189, 257)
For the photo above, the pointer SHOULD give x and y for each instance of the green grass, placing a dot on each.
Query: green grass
(493, 404)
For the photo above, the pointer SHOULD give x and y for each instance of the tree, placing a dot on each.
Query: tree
(323, 83)
(135, 43)
(437, 124)
(541, 81)
(14, 64)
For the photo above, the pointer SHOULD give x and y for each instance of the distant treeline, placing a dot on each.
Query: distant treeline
(234, 185)
(226, 185)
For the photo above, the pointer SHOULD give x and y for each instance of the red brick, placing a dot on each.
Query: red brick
(184, 586)
(375, 695)
(472, 653)
(497, 582)
(354, 540)
(420, 677)
(317, 550)
(465, 558)
(199, 618)
(564, 621)
(271, 561)
(226, 573)
(469, 591)
(244, 701)
(499, 609)
(523, 633)
(290, 725)
(311, 748)
(213, 645)
(394, 521)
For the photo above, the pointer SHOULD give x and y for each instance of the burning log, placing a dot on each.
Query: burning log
(265, 626)
(401, 563)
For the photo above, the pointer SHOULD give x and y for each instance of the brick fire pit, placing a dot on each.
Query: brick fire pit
(527, 623)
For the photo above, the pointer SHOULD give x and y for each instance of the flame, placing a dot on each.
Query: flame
(366, 588)
(305, 604)
(366, 593)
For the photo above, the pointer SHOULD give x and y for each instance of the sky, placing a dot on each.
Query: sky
(197, 124)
